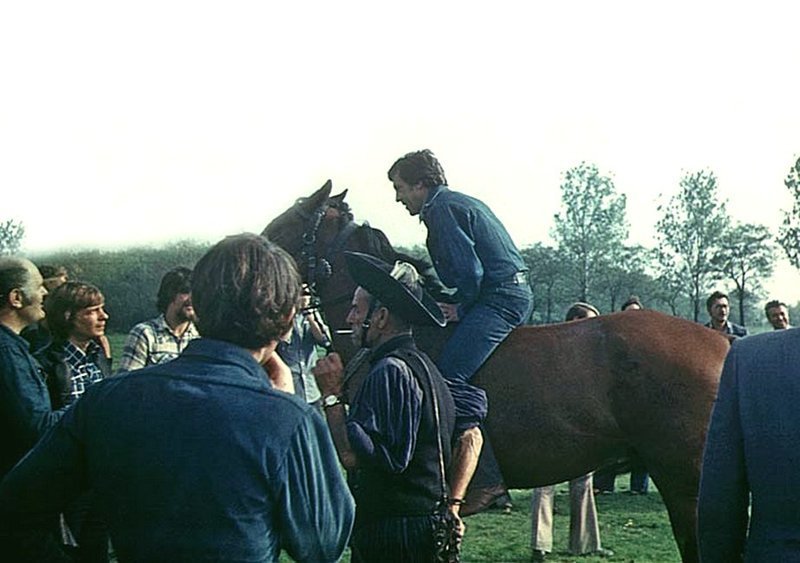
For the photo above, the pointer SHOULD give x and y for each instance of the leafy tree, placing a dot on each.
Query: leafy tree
(591, 226)
(628, 276)
(789, 235)
(746, 254)
(11, 234)
(669, 287)
(688, 235)
(546, 274)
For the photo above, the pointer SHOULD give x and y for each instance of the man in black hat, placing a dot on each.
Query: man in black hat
(396, 439)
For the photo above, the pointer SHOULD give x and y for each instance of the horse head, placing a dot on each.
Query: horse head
(306, 229)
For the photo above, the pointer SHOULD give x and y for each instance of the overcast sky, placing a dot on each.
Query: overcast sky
(139, 123)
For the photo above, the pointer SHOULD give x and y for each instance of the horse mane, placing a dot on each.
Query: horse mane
(377, 244)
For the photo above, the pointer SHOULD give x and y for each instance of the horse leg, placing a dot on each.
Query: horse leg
(682, 508)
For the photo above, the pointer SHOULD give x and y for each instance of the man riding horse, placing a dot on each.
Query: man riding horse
(473, 253)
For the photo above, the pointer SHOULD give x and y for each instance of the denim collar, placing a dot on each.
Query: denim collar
(208, 350)
(14, 336)
(433, 193)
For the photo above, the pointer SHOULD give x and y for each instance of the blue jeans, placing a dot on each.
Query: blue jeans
(497, 312)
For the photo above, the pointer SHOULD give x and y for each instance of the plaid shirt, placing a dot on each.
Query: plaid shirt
(153, 342)
(83, 368)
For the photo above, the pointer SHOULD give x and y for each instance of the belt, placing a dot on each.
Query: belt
(520, 278)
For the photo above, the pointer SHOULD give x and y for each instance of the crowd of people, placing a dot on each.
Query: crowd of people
(221, 432)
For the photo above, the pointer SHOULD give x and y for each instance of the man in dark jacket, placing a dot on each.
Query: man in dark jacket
(749, 498)
(25, 410)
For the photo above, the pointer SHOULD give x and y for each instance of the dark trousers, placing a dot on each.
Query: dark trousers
(397, 539)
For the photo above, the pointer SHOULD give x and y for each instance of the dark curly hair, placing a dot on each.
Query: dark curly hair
(244, 291)
(177, 280)
(419, 167)
(66, 300)
(715, 296)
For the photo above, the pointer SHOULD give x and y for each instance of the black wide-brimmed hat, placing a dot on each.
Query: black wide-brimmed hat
(375, 275)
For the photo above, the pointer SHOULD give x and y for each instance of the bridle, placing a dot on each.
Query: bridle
(318, 269)
(308, 251)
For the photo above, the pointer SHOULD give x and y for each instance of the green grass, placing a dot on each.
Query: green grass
(636, 528)
(117, 342)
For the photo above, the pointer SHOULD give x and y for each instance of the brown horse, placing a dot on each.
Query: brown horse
(564, 399)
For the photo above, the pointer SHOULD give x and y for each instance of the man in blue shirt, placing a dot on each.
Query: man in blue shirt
(472, 253)
(202, 458)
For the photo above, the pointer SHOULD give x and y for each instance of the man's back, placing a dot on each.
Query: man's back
(752, 448)
(202, 460)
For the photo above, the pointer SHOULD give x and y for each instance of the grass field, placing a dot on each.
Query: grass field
(636, 528)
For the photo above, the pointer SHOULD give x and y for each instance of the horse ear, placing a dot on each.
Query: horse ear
(321, 194)
(338, 198)
(315, 200)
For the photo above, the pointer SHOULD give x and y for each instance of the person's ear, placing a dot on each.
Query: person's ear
(381, 317)
(15, 298)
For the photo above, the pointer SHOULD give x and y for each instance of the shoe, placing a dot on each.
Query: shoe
(503, 503)
(479, 499)
(538, 555)
(603, 552)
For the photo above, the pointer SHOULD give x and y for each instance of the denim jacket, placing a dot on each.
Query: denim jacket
(470, 248)
(25, 412)
(196, 459)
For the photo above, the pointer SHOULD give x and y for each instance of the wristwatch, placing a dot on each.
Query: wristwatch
(331, 401)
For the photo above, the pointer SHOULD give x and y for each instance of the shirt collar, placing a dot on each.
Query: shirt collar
(14, 336)
(74, 356)
(221, 351)
(433, 193)
(191, 331)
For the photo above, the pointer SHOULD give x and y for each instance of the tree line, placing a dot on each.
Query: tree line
(698, 247)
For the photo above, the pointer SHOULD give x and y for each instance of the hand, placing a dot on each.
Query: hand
(450, 311)
(462, 528)
(279, 373)
(329, 373)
